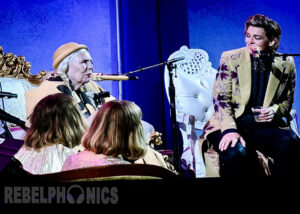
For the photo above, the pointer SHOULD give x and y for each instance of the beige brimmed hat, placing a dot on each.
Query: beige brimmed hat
(64, 51)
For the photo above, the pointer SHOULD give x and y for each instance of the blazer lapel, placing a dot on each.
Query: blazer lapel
(243, 67)
(278, 69)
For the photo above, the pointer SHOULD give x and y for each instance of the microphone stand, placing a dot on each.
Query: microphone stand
(171, 66)
(7, 132)
(5, 117)
(174, 125)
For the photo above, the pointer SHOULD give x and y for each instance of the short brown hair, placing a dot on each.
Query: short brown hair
(117, 130)
(272, 28)
(55, 120)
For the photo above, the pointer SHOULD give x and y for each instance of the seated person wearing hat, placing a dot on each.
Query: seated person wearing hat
(73, 67)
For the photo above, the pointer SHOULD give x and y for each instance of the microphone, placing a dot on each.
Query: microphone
(101, 77)
(255, 51)
(8, 95)
(176, 59)
(9, 118)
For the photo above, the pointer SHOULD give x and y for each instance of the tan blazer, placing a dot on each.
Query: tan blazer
(232, 87)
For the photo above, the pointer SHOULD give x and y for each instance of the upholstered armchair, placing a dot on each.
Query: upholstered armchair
(193, 80)
(15, 78)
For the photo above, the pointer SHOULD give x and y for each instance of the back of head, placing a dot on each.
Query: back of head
(55, 120)
(271, 27)
(117, 130)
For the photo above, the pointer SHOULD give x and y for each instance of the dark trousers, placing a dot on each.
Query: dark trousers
(283, 146)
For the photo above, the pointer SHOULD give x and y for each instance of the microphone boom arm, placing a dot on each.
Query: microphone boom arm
(285, 55)
(12, 119)
(156, 65)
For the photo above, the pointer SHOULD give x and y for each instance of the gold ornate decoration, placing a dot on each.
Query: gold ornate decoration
(16, 67)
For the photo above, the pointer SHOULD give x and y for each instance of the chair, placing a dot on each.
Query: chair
(193, 81)
(15, 77)
(294, 122)
(109, 172)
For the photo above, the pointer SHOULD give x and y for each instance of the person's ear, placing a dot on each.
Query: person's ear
(271, 43)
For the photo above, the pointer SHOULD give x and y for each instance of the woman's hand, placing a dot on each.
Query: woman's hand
(155, 139)
(265, 115)
(233, 138)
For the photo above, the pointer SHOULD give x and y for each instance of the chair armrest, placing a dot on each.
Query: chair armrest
(294, 122)
(108, 171)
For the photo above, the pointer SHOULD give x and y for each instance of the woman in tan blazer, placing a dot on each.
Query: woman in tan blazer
(248, 77)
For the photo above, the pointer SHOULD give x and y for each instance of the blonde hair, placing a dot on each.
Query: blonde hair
(117, 130)
(55, 120)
